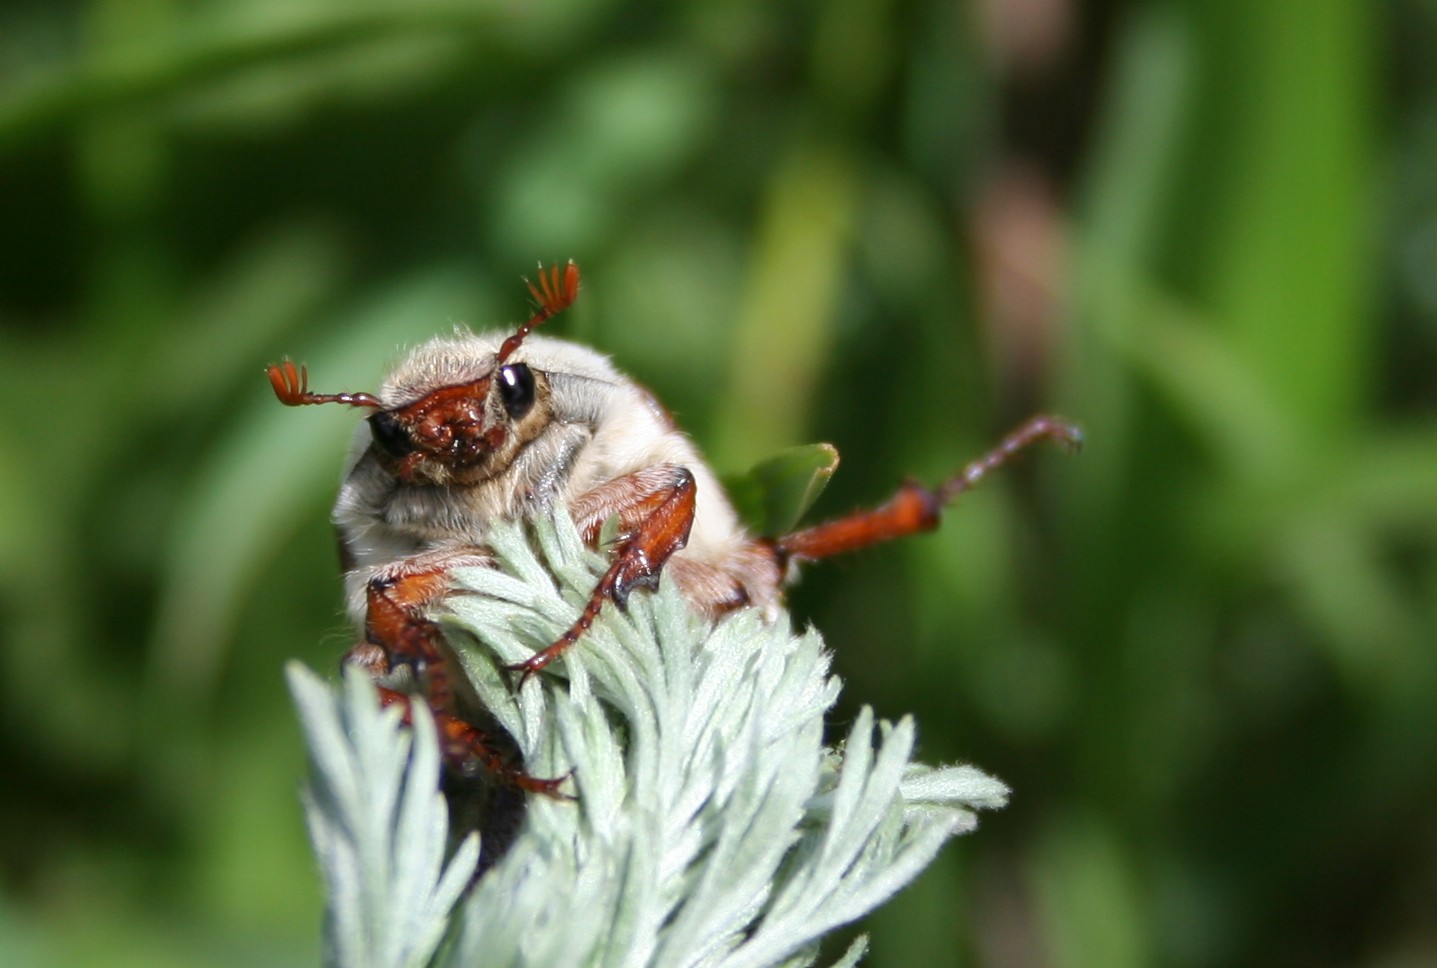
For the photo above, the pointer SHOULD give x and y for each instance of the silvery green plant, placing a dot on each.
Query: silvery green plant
(712, 826)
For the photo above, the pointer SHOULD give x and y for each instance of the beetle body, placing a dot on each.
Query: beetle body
(593, 442)
(469, 430)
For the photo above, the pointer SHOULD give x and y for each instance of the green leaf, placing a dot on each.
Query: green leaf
(774, 495)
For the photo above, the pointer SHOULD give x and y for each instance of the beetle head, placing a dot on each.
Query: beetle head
(463, 432)
(456, 432)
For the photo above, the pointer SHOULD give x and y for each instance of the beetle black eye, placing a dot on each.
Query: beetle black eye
(516, 389)
(389, 436)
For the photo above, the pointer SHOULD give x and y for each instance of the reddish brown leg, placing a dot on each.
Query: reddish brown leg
(660, 505)
(917, 508)
(633, 498)
(462, 744)
(395, 624)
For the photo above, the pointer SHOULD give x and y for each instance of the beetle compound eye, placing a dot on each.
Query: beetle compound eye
(516, 389)
(389, 436)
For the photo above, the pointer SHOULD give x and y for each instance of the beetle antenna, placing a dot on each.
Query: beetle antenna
(291, 385)
(553, 294)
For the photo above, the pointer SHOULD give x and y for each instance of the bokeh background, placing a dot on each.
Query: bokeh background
(1202, 653)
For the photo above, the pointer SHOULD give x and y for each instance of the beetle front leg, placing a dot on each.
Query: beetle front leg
(397, 633)
(915, 507)
(395, 622)
(656, 512)
(464, 746)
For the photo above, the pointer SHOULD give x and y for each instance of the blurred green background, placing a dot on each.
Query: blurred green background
(1202, 653)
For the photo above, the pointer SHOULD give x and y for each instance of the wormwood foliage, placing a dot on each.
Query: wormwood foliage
(712, 825)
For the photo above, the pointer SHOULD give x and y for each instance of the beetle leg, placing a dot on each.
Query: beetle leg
(397, 633)
(915, 507)
(467, 746)
(394, 621)
(656, 511)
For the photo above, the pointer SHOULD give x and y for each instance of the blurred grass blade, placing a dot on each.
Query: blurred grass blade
(1290, 255)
